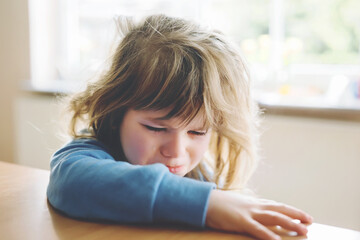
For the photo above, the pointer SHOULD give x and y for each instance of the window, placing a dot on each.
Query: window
(301, 52)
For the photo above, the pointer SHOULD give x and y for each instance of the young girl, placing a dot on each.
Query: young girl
(170, 131)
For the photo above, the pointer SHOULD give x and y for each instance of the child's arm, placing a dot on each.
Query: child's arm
(86, 182)
(237, 213)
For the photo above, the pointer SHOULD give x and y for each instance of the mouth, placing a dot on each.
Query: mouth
(175, 169)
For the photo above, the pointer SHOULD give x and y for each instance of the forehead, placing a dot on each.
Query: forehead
(157, 116)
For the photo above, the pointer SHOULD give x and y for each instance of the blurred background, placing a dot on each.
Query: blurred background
(304, 59)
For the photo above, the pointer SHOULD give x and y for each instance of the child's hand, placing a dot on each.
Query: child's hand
(237, 213)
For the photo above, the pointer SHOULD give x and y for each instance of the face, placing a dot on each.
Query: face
(146, 140)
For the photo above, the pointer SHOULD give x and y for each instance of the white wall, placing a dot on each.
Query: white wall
(38, 129)
(14, 68)
(309, 163)
(312, 164)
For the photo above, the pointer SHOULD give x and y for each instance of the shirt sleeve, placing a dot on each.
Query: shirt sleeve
(86, 182)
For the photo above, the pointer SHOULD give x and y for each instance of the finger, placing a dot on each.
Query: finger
(259, 231)
(270, 218)
(289, 211)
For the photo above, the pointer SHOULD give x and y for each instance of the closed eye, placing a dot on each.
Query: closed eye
(154, 129)
(198, 133)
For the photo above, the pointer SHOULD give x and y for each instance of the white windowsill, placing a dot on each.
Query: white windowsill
(277, 108)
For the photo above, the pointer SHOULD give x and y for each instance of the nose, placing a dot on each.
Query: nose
(174, 146)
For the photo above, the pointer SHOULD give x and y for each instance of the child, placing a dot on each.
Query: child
(170, 129)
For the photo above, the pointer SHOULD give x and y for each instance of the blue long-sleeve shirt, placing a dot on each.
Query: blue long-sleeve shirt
(86, 182)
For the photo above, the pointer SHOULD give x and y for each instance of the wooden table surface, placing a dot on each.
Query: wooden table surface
(26, 214)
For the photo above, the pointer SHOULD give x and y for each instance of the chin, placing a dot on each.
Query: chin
(180, 174)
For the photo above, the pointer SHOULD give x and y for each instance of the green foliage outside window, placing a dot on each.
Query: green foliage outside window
(322, 31)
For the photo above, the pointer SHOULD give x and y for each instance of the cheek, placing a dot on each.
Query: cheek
(198, 150)
(138, 149)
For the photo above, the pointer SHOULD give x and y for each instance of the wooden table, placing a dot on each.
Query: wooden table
(26, 214)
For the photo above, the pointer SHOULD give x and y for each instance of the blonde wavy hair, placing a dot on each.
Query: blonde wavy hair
(171, 63)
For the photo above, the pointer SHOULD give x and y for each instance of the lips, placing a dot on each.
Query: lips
(175, 169)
